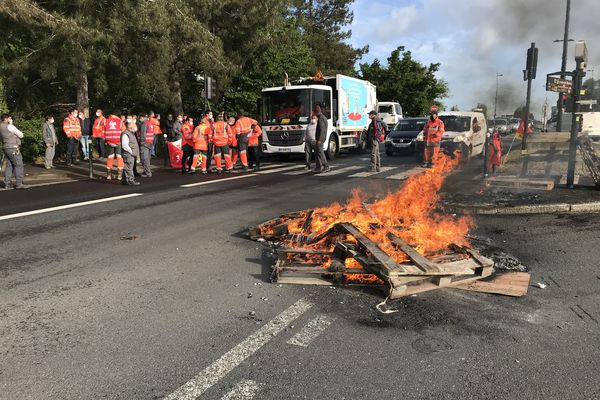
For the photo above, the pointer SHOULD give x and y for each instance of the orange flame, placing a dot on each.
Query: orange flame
(410, 213)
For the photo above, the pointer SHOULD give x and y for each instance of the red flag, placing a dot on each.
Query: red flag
(175, 153)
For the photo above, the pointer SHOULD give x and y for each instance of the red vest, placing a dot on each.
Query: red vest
(98, 128)
(149, 132)
(112, 130)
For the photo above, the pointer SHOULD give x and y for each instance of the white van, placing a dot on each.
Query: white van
(390, 112)
(591, 125)
(465, 132)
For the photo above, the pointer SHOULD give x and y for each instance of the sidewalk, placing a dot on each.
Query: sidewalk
(466, 191)
(37, 175)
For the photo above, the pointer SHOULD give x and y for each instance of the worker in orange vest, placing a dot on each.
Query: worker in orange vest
(432, 134)
(253, 143)
(202, 138)
(154, 119)
(98, 133)
(243, 127)
(187, 145)
(114, 126)
(220, 145)
(233, 143)
(494, 152)
(72, 129)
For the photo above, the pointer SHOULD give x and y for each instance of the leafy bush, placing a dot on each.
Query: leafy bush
(32, 145)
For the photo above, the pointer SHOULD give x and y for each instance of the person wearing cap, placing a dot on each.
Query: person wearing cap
(432, 134)
(375, 135)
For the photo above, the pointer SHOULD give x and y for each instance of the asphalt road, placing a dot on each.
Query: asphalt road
(87, 314)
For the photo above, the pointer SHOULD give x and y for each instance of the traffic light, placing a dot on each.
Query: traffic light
(532, 61)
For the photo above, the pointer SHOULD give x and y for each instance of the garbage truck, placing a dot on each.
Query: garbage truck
(345, 101)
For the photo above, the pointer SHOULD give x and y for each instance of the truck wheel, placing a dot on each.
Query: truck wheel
(332, 147)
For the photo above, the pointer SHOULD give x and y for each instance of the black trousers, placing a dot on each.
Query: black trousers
(254, 156)
(188, 157)
(72, 150)
(209, 158)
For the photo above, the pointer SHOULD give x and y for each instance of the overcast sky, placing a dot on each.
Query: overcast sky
(475, 39)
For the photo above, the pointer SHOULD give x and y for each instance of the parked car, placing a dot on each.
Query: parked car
(502, 125)
(513, 124)
(402, 137)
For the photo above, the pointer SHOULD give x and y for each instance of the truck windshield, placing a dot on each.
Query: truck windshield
(286, 107)
(455, 123)
(386, 109)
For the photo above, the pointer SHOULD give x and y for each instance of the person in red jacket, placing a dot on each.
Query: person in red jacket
(114, 127)
(98, 133)
(187, 145)
(432, 134)
(494, 152)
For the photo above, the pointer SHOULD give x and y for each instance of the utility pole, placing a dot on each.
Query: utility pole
(581, 56)
(563, 68)
(529, 75)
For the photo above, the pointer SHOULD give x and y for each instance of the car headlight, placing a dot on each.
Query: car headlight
(388, 138)
(459, 138)
(420, 137)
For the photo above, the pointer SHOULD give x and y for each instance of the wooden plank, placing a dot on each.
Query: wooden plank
(513, 284)
(305, 251)
(296, 280)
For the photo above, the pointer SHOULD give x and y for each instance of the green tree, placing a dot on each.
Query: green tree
(407, 81)
(324, 25)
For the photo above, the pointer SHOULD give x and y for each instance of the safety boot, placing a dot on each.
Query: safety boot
(120, 175)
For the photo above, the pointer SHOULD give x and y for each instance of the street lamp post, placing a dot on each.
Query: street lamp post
(563, 68)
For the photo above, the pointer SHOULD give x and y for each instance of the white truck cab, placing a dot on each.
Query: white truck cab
(390, 112)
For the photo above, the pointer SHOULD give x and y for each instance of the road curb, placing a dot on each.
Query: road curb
(557, 208)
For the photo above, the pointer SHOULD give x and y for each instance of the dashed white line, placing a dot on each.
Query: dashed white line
(189, 185)
(224, 365)
(341, 170)
(245, 390)
(270, 171)
(369, 173)
(311, 330)
(67, 206)
(406, 174)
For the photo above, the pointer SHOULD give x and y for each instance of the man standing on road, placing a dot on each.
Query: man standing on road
(98, 133)
(11, 140)
(376, 135)
(432, 135)
(177, 128)
(187, 145)
(253, 147)
(202, 136)
(146, 144)
(114, 127)
(310, 140)
(86, 128)
(131, 151)
(243, 128)
(72, 129)
(220, 145)
(50, 140)
(169, 126)
(321, 136)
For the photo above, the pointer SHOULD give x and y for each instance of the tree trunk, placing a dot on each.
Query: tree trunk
(177, 100)
(83, 98)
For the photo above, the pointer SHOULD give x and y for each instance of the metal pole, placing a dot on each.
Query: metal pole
(563, 68)
(90, 156)
(578, 75)
(527, 105)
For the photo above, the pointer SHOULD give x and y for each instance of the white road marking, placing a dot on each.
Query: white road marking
(341, 170)
(67, 206)
(369, 173)
(406, 174)
(245, 390)
(55, 183)
(270, 171)
(311, 330)
(231, 178)
(271, 166)
(234, 357)
(301, 172)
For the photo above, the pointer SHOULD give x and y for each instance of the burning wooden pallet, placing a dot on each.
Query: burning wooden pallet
(352, 258)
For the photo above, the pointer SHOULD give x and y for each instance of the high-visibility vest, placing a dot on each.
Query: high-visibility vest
(232, 136)
(72, 127)
(433, 131)
(187, 135)
(149, 132)
(113, 128)
(156, 123)
(98, 127)
(202, 135)
(244, 125)
(220, 134)
(253, 138)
